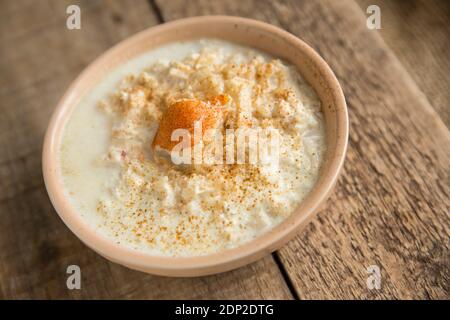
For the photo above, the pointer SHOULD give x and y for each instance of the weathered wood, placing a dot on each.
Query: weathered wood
(390, 208)
(39, 58)
(418, 32)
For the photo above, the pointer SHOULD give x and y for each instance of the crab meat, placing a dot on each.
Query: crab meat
(184, 113)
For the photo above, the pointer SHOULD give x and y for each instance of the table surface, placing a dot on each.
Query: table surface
(390, 207)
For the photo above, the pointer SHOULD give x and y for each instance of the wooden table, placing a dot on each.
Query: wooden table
(390, 207)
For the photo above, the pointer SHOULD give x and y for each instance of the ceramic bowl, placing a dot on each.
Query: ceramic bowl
(259, 35)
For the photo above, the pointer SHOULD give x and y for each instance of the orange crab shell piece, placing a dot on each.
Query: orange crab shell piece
(183, 114)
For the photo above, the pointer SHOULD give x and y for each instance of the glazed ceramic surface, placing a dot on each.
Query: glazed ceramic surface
(247, 32)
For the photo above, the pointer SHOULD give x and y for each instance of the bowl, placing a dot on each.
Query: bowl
(259, 35)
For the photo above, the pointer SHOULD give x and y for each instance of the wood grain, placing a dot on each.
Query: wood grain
(417, 31)
(39, 58)
(391, 206)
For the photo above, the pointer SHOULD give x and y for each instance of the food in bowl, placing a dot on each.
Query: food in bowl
(116, 158)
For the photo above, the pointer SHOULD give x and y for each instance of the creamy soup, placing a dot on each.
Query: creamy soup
(118, 178)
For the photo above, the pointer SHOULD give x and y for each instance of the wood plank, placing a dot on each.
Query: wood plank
(418, 32)
(390, 207)
(39, 59)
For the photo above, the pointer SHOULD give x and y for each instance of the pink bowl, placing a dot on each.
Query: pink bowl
(252, 33)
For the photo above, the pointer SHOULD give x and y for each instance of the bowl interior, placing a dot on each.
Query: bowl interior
(242, 31)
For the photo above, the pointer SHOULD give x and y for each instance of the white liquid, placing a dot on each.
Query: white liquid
(87, 137)
(87, 133)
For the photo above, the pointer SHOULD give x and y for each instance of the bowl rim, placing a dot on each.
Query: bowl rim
(211, 263)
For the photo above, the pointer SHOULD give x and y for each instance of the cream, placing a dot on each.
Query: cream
(113, 180)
